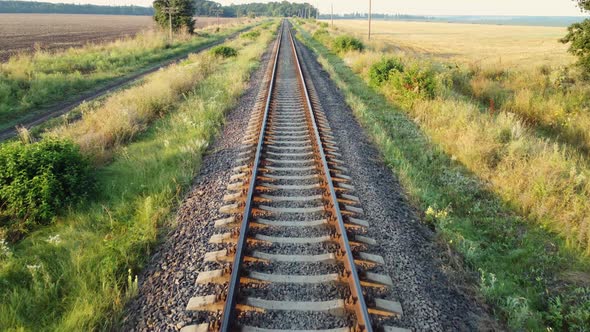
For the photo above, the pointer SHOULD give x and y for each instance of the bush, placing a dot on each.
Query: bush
(344, 44)
(224, 51)
(321, 34)
(38, 180)
(415, 82)
(323, 25)
(267, 25)
(380, 71)
(252, 35)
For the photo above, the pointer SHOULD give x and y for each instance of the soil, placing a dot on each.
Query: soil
(24, 33)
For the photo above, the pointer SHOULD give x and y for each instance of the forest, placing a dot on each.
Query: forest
(202, 8)
(62, 8)
(277, 9)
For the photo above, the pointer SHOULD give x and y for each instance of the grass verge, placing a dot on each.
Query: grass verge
(78, 273)
(30, 83)
(533, 281)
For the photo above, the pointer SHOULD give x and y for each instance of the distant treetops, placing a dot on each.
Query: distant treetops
(180, 11)
(579, 38)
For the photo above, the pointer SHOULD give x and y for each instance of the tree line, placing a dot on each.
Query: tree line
(197, 7)
(182, 11)
(276, 9)
(61, 8)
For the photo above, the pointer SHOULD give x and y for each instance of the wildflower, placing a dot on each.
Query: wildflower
(5, 251)
(33, 268)
(55, 239)
(442, 214)
(430, 211)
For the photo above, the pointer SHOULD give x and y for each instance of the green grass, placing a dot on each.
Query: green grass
(527, 273)
(77, 274)
(103, 129)
(30, 83)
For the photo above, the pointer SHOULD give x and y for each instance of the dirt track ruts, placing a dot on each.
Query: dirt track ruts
(55, 111)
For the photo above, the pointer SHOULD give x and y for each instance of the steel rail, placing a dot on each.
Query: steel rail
(234, 283)
(360, 306)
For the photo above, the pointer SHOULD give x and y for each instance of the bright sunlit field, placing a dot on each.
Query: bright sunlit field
(518, 46)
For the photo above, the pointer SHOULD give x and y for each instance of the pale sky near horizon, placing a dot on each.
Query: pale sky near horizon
(415, 7)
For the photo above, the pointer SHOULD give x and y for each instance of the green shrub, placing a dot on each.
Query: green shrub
(379, 71)
(344, 44)
(323, 25)
(38, 180)
(415, 82)
(252, 35)
(579, 39)
(321, 34)
(266, 25)
(224, 51)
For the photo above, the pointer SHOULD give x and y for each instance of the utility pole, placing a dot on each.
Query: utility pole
(370, 9)
(332, 15)
(218, 12)
(317, 13)
(170, 11)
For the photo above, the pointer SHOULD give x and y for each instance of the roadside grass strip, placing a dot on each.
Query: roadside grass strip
(533, 279)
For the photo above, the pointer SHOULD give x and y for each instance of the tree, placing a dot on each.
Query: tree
(579, 38)
(182, 17)
(584, 4)
(205, 7)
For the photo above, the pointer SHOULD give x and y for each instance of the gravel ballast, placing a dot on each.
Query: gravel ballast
(430, 300)
(168, 281)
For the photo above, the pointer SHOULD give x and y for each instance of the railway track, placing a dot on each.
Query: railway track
(292, 250)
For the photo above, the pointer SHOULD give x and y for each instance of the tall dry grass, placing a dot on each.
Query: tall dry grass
(552, 101)
(29, 82)
(125, 115)
(475, 172)
(547, 181)
(471, 171)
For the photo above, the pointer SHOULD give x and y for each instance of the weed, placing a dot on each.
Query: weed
(321, 34)
(38, 180)
(343, 44)
(380, 71)
(251, 35)
(224, 51)
(414, 82)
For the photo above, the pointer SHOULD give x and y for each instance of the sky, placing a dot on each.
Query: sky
(413, 7)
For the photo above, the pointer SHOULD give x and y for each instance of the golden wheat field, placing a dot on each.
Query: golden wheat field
(511, 46)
